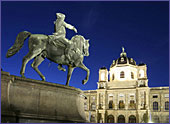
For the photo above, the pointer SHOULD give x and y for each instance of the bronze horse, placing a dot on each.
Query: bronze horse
(40, 47)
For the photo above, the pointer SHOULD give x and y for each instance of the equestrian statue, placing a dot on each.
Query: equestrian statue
(57, 48)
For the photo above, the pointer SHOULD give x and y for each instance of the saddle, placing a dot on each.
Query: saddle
(54, 41)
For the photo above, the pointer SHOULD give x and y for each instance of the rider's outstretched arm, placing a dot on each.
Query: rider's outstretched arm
(70, 27)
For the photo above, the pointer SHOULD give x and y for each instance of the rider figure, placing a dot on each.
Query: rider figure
(60, 34)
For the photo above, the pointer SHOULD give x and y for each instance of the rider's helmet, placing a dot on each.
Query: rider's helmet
(60, 15)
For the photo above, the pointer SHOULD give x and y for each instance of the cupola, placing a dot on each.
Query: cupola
(123, 59)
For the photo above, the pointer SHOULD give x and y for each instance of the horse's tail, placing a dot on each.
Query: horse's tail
(19, 42)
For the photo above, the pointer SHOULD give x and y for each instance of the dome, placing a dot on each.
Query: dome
(123, 59)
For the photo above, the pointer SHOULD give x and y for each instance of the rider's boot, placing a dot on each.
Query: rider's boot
(68, 58)
(61, 68)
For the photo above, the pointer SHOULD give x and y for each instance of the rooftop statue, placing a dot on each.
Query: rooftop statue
(56, 48)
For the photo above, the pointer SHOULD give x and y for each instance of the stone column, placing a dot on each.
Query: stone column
(98, 100)
(126, 101)
(138, 99)
(96, 119)
(115, 117)
(104, 117)
(104, 100)
(147, 99)
(126, 118)
(89, 103)
(116, 101)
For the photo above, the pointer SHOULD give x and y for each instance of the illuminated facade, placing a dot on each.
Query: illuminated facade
(123, 95)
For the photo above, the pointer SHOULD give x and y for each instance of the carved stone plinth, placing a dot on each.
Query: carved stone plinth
(30, 101)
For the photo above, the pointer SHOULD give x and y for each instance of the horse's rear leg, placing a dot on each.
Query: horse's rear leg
(27, 58)
(37, 61)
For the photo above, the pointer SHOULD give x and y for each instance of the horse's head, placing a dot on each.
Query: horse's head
(82, 44)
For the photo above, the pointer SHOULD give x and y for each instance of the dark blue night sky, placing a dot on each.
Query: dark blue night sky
(141, 27)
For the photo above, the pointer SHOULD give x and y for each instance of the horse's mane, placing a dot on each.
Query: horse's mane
(77, 37)
(78, 41)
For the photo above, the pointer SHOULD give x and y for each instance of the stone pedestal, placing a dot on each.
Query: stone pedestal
(31, 101)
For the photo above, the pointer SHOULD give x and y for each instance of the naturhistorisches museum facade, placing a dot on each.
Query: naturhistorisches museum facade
(124, 95)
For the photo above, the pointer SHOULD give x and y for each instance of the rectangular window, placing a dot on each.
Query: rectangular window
(121, 95)
(110, 97)
(155, 96)
(100, 105)
(166, 105)
(93, 97)
(122, 74)
(166, 95)
(155, 105)
(93, 106)
(142, 94)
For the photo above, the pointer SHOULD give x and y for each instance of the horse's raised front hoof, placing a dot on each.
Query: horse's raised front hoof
(84, 82)
(61, 68)
(64, 70)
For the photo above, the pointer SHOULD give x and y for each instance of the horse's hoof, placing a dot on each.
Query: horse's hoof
(84, 82)
(64, 70)
(61, 68)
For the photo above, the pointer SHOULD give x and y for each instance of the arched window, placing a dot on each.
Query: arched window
(110, 119)
(113, 77)
(145, 118)
(132, 119)
(141, 73)
(92, 118)
(102, 76)
(110, 104)
(122, 74)
(156, 119)
(101, 86)
(122, 59)
(167, 119)
(93, 106)
(132, 104)
(155, 105)
(121, 104)
(121, 119)
(132, 75)
(167, 105)
(100, 119)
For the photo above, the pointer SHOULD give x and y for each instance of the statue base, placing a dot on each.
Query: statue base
(31, 101)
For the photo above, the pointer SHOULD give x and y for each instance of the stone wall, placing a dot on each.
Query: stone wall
(31, 101)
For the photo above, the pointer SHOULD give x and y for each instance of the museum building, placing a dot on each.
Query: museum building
(123, 95)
